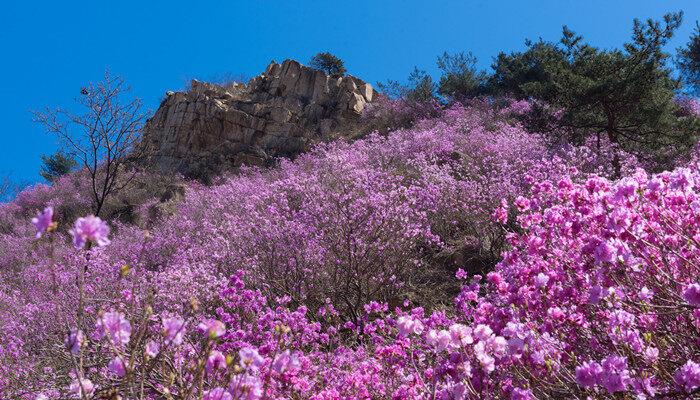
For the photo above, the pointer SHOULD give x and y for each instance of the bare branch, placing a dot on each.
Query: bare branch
(103, 137)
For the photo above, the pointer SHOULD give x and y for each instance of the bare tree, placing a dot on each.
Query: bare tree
(103, 137)
(9, 188)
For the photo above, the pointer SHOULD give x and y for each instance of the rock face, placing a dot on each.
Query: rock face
(278, 113)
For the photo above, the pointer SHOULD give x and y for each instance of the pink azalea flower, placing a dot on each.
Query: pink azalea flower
(117, 366)
(286, 361)
(217, 394)
(615, 376)
(152, 349)
(74, 341)
(250, 358)
(541, 280)
(521, 394)
(688, 376)
(246, 387)
(216, 360)
(461, 335)
(82, 387)
(407, 326)
(587, 374)
(212, 328)
(114, 326)
(691, 294)
(174, 329)
(43, 221)
(645, 294)
(89, 229)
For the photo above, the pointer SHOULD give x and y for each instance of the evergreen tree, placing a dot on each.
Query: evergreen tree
(420, 88)
(56, 165)
(624, 94)
(689, 61)
(328, 63)
(460, 79)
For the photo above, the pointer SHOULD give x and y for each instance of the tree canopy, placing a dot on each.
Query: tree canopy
(328, 63)
(625, 94)
(56, 165)
(688, 60)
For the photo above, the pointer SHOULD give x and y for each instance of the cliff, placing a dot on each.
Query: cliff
(211, 128)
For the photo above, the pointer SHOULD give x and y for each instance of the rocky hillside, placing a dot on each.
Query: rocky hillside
(211, 128)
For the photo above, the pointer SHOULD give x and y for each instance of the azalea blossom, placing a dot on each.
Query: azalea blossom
(249, 358)
(215, 360)
(82, 387)
(287, 361)
(74, 341)
(117, 366)
(691, 294)
(43, 222)
(114, 326)
(89, 229)
(212, 328)
(174, 329)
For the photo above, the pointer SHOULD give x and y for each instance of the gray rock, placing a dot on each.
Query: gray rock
(281, 112)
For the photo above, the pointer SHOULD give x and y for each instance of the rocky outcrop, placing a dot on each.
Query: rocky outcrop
(210, 128)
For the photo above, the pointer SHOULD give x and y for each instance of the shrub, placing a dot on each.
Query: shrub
(328, 269)
(598, 296)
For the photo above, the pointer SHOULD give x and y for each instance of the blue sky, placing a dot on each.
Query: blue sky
(51, 48)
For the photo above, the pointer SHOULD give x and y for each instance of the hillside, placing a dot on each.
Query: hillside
(333, 276)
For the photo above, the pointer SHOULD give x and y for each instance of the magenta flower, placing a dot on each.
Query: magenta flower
(217, 394)
(216, 360)
(152, 349)
(541, 280)
(113, 325)
(587, 374)
(440, 339)
(174, 329)
(89, 229)
(212, 328)
(645, 294)
(117, 366)
(461, 335)
(688, 376)
(286, 361)
(82, 387)
(250, 358)
(500, 215)
(521, 394)
(74, 340)
(43, 222)
(691, 294)
(615, 376)
(555, 313)
(246, 387)
(522, 203)
(407, 325)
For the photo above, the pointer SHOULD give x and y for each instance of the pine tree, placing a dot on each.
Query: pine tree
(626, 94)
(328, 63)
(56, 165)
(688, 61)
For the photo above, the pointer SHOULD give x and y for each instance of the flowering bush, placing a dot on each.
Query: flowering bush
(302, 281)
(689, 106)
(385, 114)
